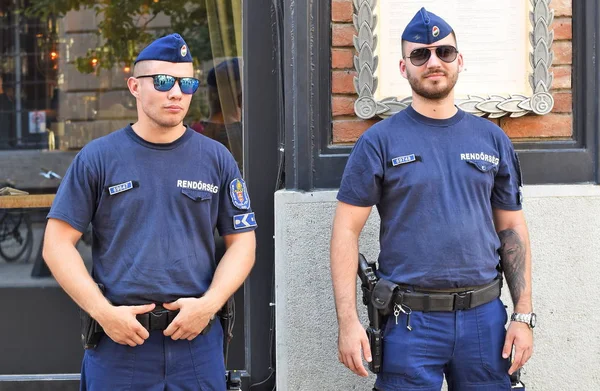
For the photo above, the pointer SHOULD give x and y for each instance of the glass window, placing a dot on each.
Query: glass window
(63, 83)
(63, 78)
(64, 68)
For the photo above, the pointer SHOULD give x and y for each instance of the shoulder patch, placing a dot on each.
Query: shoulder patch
(239, 194)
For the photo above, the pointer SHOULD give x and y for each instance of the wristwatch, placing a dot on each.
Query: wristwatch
(529, 318)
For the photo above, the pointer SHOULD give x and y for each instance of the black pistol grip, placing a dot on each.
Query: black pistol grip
(208, 326)
(363, 268)
(91, 342)
(515, 381)
(366, 273)
(376, 343)
(90, 336)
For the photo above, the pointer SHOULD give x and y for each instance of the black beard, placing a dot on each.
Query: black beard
(419, 89)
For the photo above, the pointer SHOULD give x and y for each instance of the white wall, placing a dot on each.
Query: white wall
(565, 234)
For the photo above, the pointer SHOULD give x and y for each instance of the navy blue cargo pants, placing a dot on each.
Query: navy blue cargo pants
(159, 364)
(464, 346)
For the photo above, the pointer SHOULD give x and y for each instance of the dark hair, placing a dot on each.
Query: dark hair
(228, 70)
(7, 78)
(225, 67)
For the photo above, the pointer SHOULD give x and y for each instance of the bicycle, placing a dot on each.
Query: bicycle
(16, 235)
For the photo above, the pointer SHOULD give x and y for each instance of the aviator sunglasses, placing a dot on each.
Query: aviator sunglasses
(164, 83)
(420, 56)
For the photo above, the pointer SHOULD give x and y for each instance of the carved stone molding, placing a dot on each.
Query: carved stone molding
(493, 106)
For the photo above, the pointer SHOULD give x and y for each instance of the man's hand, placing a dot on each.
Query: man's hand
(521, 336)
(194, 315)
(120, 324)
(352, 338)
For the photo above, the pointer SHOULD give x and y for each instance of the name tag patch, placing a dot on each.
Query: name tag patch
(121, 187)
(244, 221)
(404, 159)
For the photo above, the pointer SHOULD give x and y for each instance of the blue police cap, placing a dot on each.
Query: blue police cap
(227, 66)
(426, 27)
(170, 48)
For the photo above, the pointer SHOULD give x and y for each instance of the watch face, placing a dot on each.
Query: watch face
(533, 320)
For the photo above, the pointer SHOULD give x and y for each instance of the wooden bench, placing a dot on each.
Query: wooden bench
(26, 201)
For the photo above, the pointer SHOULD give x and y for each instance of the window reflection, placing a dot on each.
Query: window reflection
(28, 74)
(224, 102)
(16, 235)
(63, 74)
(63, 79)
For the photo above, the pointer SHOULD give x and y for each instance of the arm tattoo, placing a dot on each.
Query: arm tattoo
(512, 259)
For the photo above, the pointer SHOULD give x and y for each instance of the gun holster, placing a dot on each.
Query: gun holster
(227, 318)
(379, 306)
(366, 273)
(382, 296)
(89, 335)
(515, 380)
(91, 332)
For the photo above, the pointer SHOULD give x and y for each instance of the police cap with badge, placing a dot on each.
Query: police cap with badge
(170, 48)
(428, 28)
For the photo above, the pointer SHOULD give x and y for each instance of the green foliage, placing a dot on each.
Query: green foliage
(124, 27)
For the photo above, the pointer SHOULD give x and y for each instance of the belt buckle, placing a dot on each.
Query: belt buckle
(159, 320)
(462, 301)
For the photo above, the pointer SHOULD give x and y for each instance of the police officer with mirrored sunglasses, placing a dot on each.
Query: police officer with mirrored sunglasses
(154, 193)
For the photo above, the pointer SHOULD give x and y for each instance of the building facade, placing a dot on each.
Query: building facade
(65, 67)
(559, 157)
(65, 75)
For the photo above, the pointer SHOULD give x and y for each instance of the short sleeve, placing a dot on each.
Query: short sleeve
(235, 212)
(362, 179)
(75, 200)
(506, 194)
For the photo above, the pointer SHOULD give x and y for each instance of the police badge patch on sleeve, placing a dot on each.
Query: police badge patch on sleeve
(244, 221)
(239, 194)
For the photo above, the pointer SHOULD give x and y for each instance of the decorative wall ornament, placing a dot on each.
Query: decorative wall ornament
(493, 106)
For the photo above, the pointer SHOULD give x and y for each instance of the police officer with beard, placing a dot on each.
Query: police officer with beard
(447, 186)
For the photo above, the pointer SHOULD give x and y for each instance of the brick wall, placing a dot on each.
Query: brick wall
(558, 124)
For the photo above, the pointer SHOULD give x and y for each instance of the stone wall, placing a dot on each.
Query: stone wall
(558, 124)
(566, 255)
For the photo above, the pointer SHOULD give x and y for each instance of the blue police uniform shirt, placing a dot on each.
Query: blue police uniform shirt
(434, 183)
(154, 209)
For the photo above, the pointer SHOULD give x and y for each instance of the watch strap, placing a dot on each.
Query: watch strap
(522, 318)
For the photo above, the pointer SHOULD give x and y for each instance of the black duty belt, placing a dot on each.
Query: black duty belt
(156, 320)
(426, 301)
